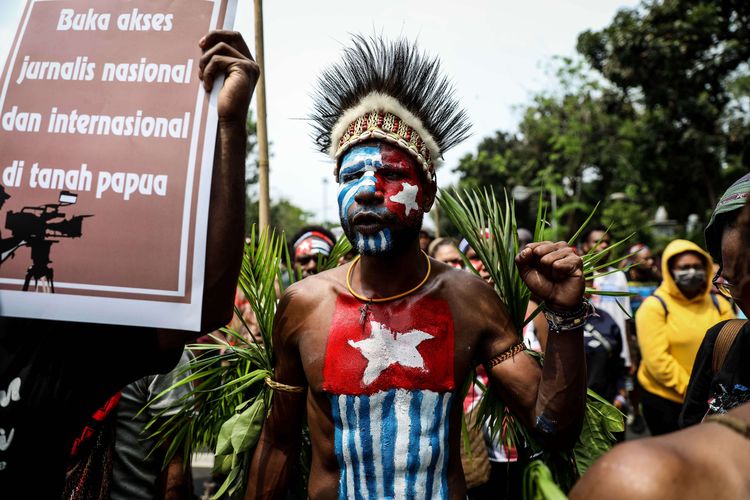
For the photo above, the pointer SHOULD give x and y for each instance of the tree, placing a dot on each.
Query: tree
(676, 59)
(285, 216)
(577, 142)
(655, 114)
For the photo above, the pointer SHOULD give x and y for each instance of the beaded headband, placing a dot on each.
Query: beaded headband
(380, 116)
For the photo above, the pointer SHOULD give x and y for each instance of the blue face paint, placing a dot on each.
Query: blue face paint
(373, 244)
(357, 175)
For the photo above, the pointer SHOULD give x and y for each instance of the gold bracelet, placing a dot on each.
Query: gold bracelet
(278, 386)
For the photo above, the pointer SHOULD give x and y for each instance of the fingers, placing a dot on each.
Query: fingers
(232, 38)
(556, 260)
(570, 266)
(536, 250)
(224, 50)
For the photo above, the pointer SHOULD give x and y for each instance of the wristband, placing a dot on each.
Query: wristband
(566, 321)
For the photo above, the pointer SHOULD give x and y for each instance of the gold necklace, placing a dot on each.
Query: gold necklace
(369, 300)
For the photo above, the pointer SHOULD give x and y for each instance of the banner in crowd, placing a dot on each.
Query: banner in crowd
(106, 152)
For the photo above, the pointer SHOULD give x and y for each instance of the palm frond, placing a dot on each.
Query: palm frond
(491, 230)
(229, 400)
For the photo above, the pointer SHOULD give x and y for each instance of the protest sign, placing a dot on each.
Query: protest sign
(106, 151)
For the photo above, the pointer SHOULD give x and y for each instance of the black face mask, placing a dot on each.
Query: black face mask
(690, 280)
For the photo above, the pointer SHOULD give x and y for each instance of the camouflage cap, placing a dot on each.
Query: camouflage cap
(726, 210)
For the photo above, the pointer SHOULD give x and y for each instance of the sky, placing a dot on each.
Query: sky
(497, 52)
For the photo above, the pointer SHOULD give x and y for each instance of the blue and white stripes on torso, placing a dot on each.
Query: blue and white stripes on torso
(392, 444)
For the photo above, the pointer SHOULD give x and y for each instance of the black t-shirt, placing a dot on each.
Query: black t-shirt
(53, 376)
(604, 365)
(730, 384)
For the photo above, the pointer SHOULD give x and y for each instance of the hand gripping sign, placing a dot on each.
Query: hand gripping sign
(106, 152)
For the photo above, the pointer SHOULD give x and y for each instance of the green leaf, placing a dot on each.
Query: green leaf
(538, 483)
(224, 442)
(222, 463)
(600, 421)
(246, 430)
(574, 238)
(227, 483)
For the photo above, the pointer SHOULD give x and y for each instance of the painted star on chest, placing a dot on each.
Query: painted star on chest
(385, 348)
(407, 197)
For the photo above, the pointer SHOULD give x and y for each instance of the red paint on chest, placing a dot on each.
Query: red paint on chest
(345, 364)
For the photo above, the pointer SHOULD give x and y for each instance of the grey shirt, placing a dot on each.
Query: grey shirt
(134, 474)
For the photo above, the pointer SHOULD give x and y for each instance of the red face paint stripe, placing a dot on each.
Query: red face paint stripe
(400, 159)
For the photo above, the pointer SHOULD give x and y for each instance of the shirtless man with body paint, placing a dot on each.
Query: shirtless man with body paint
(382, 379)
(383, 345)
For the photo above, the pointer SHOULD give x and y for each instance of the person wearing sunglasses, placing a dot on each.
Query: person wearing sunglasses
(713, 388)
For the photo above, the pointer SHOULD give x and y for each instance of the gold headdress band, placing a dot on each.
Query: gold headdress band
(388, 127)
(380, 116)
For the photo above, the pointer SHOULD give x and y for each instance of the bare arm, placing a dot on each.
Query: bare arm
(703, 461)
(225, 53)
(541, 329)
(549, 400)
(175, 481)
(278, 446)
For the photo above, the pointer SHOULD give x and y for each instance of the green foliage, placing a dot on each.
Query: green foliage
(538, 483)
(678, 61)
(491, 230)
(229, 401)
(656, 113)
(600, 423)
(476, 213)
(285, 216)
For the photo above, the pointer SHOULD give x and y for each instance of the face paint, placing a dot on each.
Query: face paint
(380, 197)
(391, 386)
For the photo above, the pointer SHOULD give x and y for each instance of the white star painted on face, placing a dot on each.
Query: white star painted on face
(385, 348)
(407, 197)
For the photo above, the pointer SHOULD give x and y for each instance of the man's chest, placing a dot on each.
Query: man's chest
(388, 374)
(375, 347)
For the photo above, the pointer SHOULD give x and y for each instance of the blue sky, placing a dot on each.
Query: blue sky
(497, 52)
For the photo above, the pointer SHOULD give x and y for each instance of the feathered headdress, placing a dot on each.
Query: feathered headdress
(389, 91)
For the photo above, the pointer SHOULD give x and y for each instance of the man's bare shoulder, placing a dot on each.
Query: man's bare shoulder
(683, 465)
(459, 281)
(312, 289)
(637, 469)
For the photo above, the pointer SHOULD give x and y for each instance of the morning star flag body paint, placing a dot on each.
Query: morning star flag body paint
(391, 383)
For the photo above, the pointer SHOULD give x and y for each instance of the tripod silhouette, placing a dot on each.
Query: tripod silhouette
(40, 262)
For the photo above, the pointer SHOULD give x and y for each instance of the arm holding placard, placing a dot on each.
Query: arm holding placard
(224, 52)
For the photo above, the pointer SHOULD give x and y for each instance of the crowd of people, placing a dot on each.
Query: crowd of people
(372, 354)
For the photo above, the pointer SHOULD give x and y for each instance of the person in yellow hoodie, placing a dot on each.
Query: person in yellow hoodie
(671, 324)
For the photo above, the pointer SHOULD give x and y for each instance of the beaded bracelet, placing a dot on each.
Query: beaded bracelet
(566, 321)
